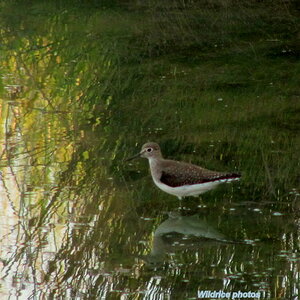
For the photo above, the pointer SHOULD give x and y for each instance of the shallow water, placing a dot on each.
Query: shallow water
(82, 88)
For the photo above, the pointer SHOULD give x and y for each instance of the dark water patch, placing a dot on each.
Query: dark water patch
(287, 51)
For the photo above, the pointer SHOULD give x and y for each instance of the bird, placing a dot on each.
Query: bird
(178, 178)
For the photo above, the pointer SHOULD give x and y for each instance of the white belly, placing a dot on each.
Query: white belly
(191, 190)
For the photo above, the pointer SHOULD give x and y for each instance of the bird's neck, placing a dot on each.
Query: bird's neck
(154, 166)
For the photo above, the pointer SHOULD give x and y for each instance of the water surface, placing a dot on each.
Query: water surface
(84, 86)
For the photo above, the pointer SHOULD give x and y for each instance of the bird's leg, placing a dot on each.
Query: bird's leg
(180, 208)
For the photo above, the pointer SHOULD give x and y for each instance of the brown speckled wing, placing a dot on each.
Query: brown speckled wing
(176, 174)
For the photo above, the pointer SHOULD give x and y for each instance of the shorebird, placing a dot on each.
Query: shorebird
(179, 178)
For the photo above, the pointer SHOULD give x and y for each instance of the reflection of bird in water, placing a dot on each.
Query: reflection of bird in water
(179, 178)
(168, 236)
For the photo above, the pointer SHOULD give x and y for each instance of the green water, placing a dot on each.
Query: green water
(84, 84)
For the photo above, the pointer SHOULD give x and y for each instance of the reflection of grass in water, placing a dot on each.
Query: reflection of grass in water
(246, 103)
(218, 75)
(204, 76)
(243, 99)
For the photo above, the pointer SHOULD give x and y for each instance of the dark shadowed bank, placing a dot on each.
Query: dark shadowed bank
(85, 83)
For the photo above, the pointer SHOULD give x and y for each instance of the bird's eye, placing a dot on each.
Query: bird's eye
(149, 150)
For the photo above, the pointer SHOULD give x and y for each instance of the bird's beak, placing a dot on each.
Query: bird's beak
(133, 157)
